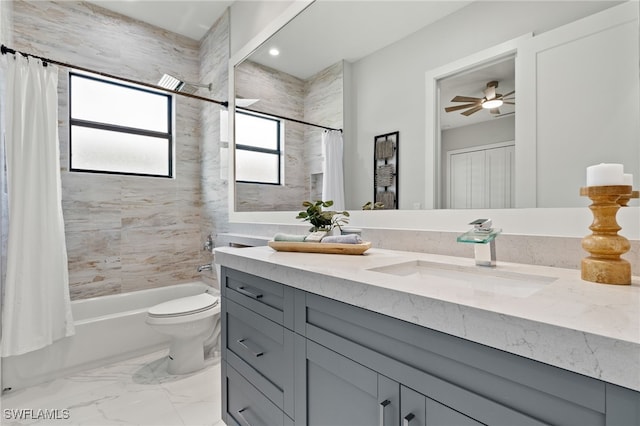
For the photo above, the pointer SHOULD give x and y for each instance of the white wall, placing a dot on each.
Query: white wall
(389, 85)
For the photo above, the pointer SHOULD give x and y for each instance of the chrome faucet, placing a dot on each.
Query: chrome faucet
(483, 238)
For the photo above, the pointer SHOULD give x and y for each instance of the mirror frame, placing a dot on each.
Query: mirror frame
(552, 222)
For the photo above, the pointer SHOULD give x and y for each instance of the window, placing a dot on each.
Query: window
(258, 148)
(119, 129)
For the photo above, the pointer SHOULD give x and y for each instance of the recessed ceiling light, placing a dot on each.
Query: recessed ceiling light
(274, 52)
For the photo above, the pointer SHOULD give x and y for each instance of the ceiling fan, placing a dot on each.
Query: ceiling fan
(491, 101)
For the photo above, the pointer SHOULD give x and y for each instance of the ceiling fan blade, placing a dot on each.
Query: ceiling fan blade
(503, 115)
(507, 94)
(494, 110)
(508, 103)
(472, 110)
(465, 99)
(457, 107)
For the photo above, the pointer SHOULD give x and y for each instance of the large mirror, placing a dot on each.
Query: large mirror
(375, 67)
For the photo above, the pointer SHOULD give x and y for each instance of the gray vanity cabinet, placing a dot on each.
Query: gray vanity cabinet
(293, 357)
(340, 391)
(257, 351)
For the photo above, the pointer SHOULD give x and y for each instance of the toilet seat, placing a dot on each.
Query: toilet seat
(184, 309)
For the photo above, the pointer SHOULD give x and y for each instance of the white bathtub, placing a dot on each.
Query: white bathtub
(108, 329)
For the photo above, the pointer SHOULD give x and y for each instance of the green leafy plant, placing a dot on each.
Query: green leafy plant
(322, 220)
(373, 206)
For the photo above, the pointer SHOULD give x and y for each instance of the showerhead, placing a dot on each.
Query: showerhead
(172, 83)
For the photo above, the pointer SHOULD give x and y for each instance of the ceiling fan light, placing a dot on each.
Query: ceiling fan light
(493, 103)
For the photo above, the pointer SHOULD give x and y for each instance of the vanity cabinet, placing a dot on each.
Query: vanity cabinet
(305, 359)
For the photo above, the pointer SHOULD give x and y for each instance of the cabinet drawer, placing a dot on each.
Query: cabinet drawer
(267, 298)
(262, 351)
(245, 405)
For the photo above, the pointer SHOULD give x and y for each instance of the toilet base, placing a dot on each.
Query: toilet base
(185, 356)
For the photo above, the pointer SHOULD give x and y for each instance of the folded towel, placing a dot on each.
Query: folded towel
(343, 239)
(289, 237)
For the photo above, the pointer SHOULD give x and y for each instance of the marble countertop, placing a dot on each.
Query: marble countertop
(591, 329)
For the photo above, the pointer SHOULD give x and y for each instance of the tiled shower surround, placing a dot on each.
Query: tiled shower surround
(128, 233)
(317, 99)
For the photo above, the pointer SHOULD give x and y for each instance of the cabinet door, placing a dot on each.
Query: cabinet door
(441, 415)
(418, 410)
(412, 407)
(341, 392)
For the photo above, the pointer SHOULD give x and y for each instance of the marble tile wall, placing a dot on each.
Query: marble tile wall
(214, 64)
(323, 105)
(280, 94)
(128, 233)
(317, 100)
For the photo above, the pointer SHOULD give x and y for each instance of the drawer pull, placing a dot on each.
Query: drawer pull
(407, 419)
(383, 405)
(248, 293)
(242, 418)
(251, 348)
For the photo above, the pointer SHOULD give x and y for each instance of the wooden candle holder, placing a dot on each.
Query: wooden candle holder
(624, 199)
(605, 245)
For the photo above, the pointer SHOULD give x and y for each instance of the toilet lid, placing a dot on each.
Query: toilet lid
(184, 306)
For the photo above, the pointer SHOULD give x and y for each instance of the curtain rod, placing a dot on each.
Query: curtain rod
(287, 118)
(4, 49)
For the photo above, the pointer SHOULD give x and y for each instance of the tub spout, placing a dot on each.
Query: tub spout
(206, 267)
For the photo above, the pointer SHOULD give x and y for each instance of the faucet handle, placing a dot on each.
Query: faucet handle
(481, 224)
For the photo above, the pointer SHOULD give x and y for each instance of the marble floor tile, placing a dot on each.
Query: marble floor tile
(137, 391)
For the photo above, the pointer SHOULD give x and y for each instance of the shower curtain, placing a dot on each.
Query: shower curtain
(36, 308)
(333, 174)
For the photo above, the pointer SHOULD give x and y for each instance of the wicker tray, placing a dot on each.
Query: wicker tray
(320, 247)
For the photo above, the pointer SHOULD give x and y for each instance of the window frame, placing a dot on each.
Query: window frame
(168, 136)
(278, 151)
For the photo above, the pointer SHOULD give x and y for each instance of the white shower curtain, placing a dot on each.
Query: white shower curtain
(333, 174)
(36, 308)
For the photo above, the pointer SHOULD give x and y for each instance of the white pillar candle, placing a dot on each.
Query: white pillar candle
(628, 179)
(605, 174)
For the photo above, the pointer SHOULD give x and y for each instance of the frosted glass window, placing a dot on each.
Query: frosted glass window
(257, 131)
(94, 100)
(257, 167)
(107, 151)
(119, 128)
(258, 148)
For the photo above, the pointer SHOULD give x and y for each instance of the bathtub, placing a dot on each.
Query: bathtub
(108, 329)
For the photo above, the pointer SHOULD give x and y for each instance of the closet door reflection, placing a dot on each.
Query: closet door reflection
(481, 178)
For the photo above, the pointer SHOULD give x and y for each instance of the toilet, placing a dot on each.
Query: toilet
(189, 321)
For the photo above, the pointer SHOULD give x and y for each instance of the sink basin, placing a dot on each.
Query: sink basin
(469, 277)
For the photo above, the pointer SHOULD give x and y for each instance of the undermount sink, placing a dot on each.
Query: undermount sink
(469, 277)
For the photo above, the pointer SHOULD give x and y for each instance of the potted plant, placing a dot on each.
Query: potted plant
(322, 220)
(373, 206)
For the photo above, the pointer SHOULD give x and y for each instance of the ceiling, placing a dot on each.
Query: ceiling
(186, 17)
(472, 84)
(348, 30)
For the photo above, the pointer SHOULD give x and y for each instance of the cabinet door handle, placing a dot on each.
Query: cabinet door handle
(248, 293)
(242, 418)
(256, 351)
(383, 405)
(407, 419)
